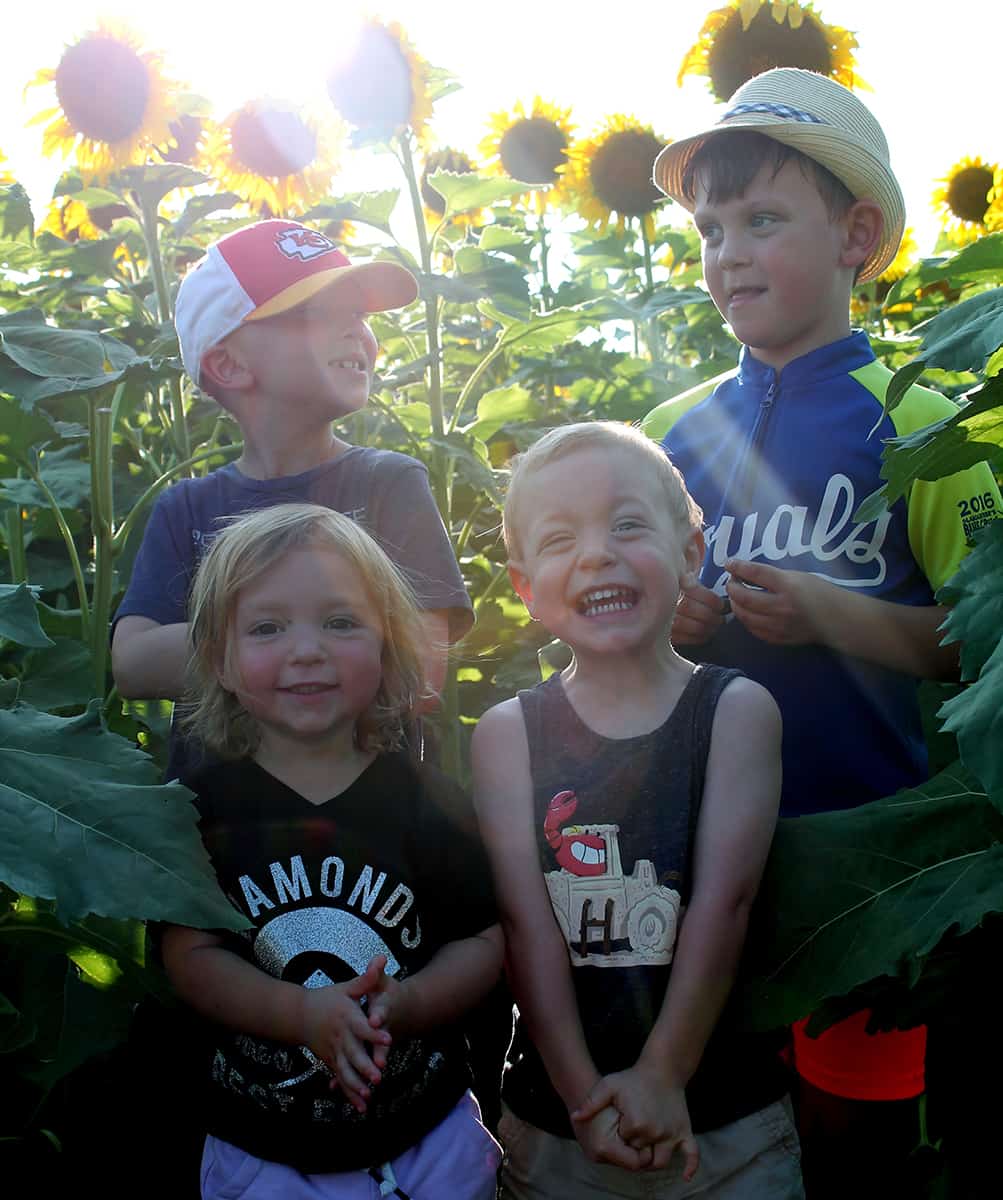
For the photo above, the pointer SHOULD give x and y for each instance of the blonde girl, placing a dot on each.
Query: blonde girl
(339, 1068)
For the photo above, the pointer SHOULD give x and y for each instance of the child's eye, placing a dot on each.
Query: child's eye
(627, 525)
(342, 624)
(264, 629)
(762, 220)
(710, 232)
(555, 541)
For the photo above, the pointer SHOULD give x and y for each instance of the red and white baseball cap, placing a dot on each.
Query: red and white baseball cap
(265, 269)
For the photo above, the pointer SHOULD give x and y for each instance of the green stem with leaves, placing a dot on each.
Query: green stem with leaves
(439, 475)
(102, 522)
(151, 235)
(14, 537)
(653, 339)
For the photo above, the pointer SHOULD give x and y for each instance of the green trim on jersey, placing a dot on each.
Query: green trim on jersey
(660, 420)
(943, 513)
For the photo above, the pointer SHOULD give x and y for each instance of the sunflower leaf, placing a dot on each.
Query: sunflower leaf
(19, 616)
(975, 717)
(972, 435)
(153, 181)
(84, 822)
(973, 264)
(15, 213)
(368, 208)
(500, 406)
(462, 193)
(855, 896)
(975, 600)
(964, 336)
(200, 207)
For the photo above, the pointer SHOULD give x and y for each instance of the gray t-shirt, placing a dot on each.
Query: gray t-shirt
(386, 492)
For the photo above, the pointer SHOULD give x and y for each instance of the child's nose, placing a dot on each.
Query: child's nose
(307, 645)
(595, 550)
(733, 249)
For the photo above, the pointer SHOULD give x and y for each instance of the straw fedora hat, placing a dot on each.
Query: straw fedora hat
(826, 122)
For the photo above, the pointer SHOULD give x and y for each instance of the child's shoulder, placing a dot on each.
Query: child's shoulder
(745, 711)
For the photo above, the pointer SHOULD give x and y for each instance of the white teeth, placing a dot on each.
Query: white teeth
(607, 600)
(590, 855)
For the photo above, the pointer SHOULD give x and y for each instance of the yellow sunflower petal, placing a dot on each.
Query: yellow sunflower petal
(382, 85)
(279, 160)
(610, 173)
(113, 125)
(746, 37)
(532, 147)
(965, 199)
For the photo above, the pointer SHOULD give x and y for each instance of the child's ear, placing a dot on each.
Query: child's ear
(863, 226)
(694, 552)
(223, 368)
(520, 581)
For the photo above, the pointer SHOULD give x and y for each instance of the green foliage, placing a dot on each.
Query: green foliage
(524, 321)
(897, 875)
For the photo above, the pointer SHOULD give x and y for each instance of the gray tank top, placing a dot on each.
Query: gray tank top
(615, 822)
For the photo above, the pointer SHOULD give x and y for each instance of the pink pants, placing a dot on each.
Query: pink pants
(458, 1159)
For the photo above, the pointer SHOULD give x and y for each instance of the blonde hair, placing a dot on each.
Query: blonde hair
(247, 547)
(557, 443)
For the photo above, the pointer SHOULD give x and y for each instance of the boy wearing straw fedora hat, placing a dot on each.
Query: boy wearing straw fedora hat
(795, 200)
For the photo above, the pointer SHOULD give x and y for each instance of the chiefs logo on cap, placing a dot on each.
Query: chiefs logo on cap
(304, 244)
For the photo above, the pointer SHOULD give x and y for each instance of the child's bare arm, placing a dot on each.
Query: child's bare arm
(149, 660)
(329, 1020)
(454, 979)
(536, 952)
(798, 607)
(737, 819)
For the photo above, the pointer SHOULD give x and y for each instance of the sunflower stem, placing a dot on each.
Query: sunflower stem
(102, 517)
(71, 549)
(653, 339)
(546, 295)
(151, 235)
(439, 465)
(14, 536)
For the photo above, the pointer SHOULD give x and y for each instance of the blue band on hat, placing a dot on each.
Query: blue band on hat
(777, 110)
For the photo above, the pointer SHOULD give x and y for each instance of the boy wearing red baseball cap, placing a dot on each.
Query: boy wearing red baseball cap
(271, 323)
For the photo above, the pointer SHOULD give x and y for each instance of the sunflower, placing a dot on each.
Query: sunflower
(902, 261)
(445, 159)
(277, 159)
(610, 173)
(382, 85)
(749, 36)
(5, 175)
(532, 148)
(966, 199)
(113, 102)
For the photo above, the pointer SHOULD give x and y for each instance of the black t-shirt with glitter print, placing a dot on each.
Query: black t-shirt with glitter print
(390, 866)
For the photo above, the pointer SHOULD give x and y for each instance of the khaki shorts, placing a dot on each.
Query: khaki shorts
(755, 1158)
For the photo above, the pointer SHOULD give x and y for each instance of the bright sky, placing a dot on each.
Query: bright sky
(934, 76)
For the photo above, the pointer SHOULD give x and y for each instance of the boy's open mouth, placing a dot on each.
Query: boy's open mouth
(354, 362)
(598, 601)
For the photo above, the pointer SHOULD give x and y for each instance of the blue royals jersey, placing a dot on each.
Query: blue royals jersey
(779, 462)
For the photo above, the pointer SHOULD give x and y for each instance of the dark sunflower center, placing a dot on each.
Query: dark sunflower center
(967, 191)
(372, 89)
(103, 88)
(737, 54)
(620, 172)
(272, 142)
(532, 149)
(442, 160)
